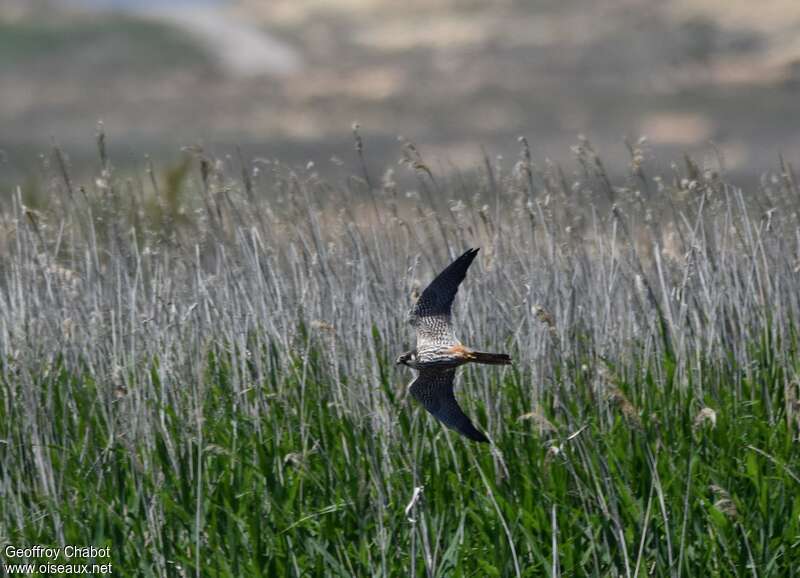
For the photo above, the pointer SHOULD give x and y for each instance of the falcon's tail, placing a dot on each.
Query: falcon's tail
(490, 358)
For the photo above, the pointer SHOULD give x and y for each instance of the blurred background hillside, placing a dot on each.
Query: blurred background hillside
(287, 78)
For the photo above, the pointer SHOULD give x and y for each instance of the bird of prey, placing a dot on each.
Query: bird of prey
(438, 352)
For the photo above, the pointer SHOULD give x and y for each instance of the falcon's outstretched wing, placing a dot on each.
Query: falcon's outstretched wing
(431, 313)
(434, 390)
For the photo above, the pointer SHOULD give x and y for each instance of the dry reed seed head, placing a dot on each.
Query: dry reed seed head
(35, 218)
(639, 284)
(359, 144)
(705, 416)
(420, 166)
(102, 182)
(554, 449)
(689, 185)
(629, 411)
(323, 326)
(723, 501)
(541, 421)
(295, 459)
(526, 148)
(545, 317)
(67, 329)
(457, 205)
(415, 291)
(387, 180)
(603, 374)
(792, 387)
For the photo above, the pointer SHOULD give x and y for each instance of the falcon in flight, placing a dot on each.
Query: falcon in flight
(439, 353)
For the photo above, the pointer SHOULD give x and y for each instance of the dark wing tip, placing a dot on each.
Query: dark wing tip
(463, 425)
(438, 296)
(469, 254)
(476, 435)
(463, 263)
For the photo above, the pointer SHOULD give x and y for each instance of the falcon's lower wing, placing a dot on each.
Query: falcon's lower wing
(434, 390)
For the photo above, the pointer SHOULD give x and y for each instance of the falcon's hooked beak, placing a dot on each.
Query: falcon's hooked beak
(404, 358)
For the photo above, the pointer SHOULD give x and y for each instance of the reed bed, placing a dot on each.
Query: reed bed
(197, 369)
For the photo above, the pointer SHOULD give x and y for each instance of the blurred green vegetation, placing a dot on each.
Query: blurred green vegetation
(109, 41)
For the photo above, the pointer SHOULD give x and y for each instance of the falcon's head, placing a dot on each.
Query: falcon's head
(406, 357)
